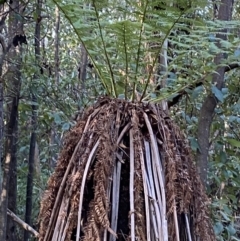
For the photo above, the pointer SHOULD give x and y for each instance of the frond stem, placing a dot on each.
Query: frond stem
(138, 51)
(114, 89)
(126, 55)
(179, 90)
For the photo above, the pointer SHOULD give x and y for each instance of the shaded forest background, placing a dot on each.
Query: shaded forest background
(47, 79)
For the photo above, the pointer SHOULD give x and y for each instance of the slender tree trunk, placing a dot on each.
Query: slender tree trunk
(56, 44)
(1, 131)
(15, 54)
(53, 136)
(12, 193)
(82, 73)
(163, 70)
(13, 76)
(7, 170)
(28, 213)
(30, 170)
(1, 128)
(83, 68)
(3, 18)
(3, 194)
(210, 103)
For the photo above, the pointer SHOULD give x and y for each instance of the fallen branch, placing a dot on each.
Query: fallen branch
(22, 223)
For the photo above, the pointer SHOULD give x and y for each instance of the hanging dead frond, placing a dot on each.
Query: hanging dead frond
(125, 173)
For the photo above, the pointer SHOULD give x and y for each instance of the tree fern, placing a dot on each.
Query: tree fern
(125, 166)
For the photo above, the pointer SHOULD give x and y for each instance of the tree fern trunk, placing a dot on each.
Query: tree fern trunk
(125, 172)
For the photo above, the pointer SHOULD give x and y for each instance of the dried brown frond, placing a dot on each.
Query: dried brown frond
(125, 171)
(140, 222)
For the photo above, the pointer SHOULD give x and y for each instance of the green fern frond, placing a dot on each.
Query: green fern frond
(118, 35)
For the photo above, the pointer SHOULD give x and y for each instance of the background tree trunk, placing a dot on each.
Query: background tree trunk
(15, 55)
(163, 70)
(12, 189)
(13, 78)
(3, 200)
(3, 54)
(210, 103)
(7, 199)
(1, 131)
(28, 213)
(53, 138)
(83, 68)
(56, 45)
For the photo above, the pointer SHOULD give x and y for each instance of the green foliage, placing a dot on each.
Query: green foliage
(224, 184)
(119, 34)
(224, 166)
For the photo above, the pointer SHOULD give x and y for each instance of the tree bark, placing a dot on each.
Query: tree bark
(12, 193)
(83, 69)
(8, 164)
(4, 52)
(8, 197)
(210, 103)
(1, 132)
(15, 54)
(3, 200)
